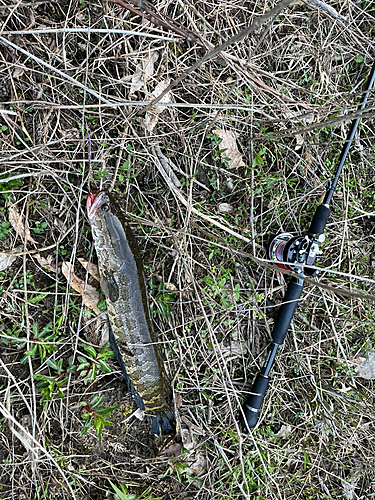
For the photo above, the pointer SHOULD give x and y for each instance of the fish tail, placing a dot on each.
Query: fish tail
(162, 423)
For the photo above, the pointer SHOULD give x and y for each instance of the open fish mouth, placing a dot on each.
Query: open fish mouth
(94, 201)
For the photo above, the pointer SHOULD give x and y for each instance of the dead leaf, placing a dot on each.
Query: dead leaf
(225, 208)
(187, 440)
(198, 467)
(178, 399)
(89, 294)
(104, 332)
(234, 350)
(229, 143)
(193, 428)
(171, 287)
(284, 431)
(143, 73)
(17, 223)
(139, 414)
(299, 142)
(47, 263)
(352, 360)
(152, 116)
(6, 260)
(174, 450)
(18, 72)
(366, 369)
(349, 490)
(97, 330)
(191, 455)
(92, 269)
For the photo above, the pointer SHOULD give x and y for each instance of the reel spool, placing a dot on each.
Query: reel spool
(294, 253)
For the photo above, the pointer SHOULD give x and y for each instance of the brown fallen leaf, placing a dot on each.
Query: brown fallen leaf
(18, 72)
(47, 263)
(229, 143)
(178, 399)
(18, 225)
(152, 116)
(198, 467)
(97, 330)
(284, 431)
(225, 208)
(174, 450)
(299, 141)
(92, 269)
(143, 73)
(89, 294)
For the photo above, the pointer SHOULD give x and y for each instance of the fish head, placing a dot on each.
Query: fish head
(98, 204)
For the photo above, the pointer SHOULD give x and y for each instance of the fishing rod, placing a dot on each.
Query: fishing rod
(297, 253)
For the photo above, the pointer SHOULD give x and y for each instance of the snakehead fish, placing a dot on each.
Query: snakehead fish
(132, 336)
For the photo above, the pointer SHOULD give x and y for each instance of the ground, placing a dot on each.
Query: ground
(237, 151)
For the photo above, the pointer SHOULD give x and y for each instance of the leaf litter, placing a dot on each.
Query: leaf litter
(152, 116)
(143, 73)
(18, 224)
(97, 329)
(6, 260)
(89, 294)
(228, 148)
(91, 268)
(47, 263)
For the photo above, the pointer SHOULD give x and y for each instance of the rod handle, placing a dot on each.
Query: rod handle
(254, 402)
(319, 220)
(286, 311)
(251, 408)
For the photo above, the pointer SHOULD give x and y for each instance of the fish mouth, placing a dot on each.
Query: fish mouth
(94, 201)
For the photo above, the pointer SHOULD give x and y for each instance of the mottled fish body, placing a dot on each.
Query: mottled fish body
(132, 336)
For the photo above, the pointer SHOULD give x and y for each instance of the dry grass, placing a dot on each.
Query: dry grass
(67, 118)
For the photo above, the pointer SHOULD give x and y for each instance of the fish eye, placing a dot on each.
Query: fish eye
(105, 207)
